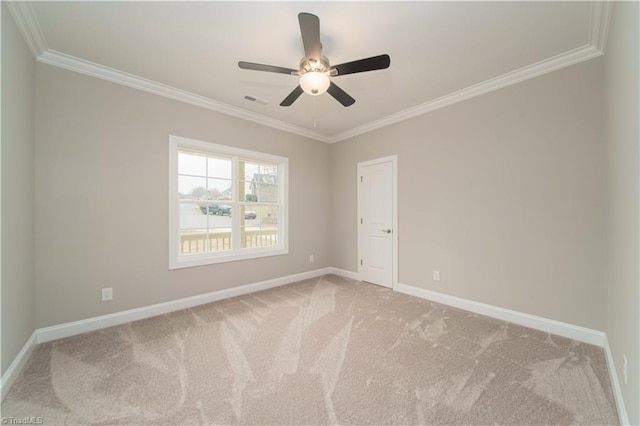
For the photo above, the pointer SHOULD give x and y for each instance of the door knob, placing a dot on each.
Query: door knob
(388, 231)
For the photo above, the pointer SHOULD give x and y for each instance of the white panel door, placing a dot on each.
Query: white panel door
(375, 234)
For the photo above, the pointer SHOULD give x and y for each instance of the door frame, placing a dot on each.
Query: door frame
(394, 209)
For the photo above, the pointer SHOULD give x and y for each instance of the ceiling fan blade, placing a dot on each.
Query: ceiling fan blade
(268, 68)
(340, 95)
(368, 64)
(292, 97)
(310, 30)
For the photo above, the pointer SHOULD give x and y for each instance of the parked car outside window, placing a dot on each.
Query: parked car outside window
(219, 209)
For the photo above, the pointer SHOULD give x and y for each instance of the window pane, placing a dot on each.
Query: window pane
(193, 227)
(250, 170)
(192, 164)
(219, 167)
(196, 242)
(267, 193)
(255, 237)
(267, 216)
(260, 226)
(192, 217)
(219, 239)
(265, 184)
(193, 188)
(219, 189)
(247, 192)
(204, 228)
(269, 170)
(249, 236)
(259, 191)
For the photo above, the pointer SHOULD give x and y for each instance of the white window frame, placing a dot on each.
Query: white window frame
(177, 260)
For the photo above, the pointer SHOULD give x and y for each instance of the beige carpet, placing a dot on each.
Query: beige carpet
(322, 351)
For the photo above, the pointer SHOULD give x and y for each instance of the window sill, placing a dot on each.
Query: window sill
(207, 259)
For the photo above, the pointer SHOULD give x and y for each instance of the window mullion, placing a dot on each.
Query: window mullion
(235, 209)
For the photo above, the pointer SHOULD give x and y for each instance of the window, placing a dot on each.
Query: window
(225, 203)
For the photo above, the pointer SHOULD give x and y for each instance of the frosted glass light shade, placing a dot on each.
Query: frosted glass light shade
(314, 82)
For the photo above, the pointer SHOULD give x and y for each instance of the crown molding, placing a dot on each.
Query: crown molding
(600, 20)
(28, 25)
(61, 60)
(563, 60)
(600, 15)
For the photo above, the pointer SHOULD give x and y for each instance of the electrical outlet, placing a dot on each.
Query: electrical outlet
(311, 259)
(624, 368)
(436, 275)
(107, 294)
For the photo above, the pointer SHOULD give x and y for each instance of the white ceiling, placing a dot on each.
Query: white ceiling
(441, 52)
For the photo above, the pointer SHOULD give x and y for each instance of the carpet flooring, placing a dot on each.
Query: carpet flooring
(321, 351)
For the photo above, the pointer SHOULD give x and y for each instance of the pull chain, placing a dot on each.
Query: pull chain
(314, 111)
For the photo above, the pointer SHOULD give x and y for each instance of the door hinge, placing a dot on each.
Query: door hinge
(361, 179)
(361, 262)
(361, 221)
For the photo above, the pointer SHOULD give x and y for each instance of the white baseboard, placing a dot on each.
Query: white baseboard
(46, 334)
(582, 334)
(11, 374)
(344, 273)
(96, 323)
(615, 384)
(60, 331)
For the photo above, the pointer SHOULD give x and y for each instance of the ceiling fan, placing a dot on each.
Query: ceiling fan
(315, 69)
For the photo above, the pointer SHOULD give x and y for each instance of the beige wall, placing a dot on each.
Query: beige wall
(18, 282)
(502, 193)
(622, 280)
(102, 199)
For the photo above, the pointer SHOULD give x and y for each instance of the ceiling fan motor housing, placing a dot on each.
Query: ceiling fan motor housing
(320, 64)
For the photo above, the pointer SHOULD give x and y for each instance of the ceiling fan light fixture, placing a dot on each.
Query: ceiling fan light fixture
(314, 82)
